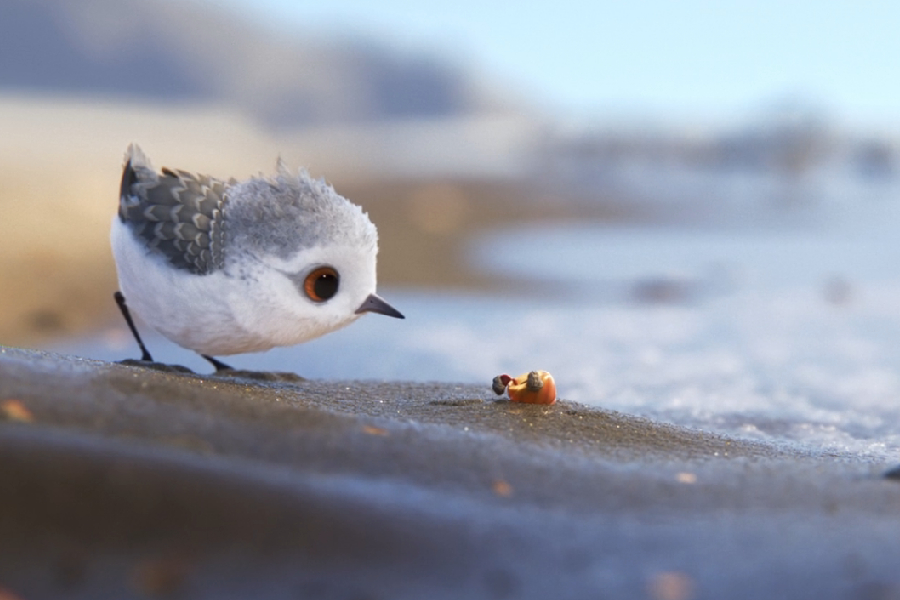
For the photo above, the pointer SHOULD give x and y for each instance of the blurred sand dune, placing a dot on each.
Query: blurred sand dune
(427, 185)
(60, 164)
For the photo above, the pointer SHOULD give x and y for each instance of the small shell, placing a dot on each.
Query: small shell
(535, 387)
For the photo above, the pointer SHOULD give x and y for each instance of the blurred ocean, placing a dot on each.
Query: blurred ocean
(784, 334)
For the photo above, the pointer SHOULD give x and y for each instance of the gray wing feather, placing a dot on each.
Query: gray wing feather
(178, 214)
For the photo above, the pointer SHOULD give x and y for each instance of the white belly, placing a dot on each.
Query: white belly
(212, 314)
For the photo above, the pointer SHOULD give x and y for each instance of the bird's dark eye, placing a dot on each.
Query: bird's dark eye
(321, 284)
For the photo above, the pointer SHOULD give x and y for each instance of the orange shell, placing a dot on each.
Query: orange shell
(519, 391)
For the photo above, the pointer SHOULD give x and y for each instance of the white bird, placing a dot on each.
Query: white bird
(227, 267)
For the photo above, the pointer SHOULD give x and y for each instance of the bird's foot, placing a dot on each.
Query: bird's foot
(152, 364)
(271, 376)
(225, 370)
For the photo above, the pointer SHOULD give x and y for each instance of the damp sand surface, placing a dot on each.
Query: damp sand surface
(122, 482)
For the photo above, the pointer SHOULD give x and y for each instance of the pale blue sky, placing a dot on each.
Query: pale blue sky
(654, 57)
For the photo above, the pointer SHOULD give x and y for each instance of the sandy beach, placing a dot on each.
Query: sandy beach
(687, 215)
(127, 482)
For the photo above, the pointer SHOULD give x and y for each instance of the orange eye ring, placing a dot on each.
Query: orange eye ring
(321, 284)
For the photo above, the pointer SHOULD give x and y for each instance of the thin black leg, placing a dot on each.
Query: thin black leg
(120, 300)
(218, 364)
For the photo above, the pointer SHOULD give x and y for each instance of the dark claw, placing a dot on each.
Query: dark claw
(499, 385)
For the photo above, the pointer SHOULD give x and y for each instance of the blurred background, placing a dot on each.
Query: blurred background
(685, 210)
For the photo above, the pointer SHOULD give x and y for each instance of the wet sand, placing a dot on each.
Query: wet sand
(125, 482)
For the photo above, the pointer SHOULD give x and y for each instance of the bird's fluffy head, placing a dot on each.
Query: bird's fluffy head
(285, 214)
(280, 230)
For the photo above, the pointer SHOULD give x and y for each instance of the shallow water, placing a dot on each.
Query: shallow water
(785, 336)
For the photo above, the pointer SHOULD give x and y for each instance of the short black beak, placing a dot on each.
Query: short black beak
(374, 304)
